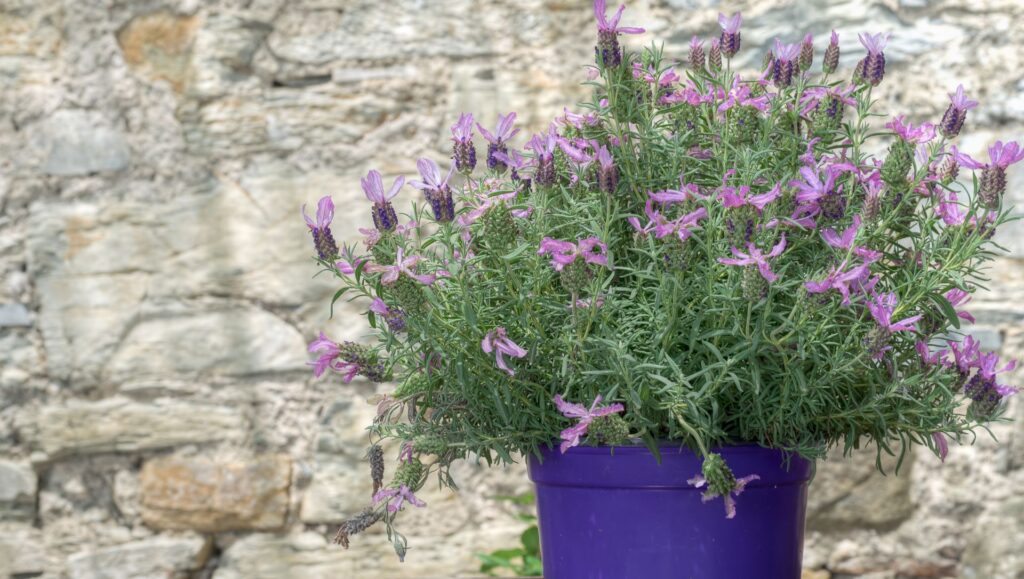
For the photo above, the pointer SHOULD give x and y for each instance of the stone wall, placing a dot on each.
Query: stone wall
(157, 418)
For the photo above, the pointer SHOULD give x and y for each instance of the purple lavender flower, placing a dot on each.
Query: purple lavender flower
(608, 30)
(956, 298)
(323, 240)
(983, 388)
(872, 67)
(883, 306)
(564, 253)
(929, 358)
(697, 57)
(756, 258)
(830, 62)
(965, 355)
(840, 280)
(742, 94)
(436, 190)
(607, 173)
(517, 163)
(406, 265)
(956, 114)
(348, 359)
(402, 493)
(384, 216)
(732, 197)
(686, 192)
(814, 96)
(845, 240)
(571, 436)
(950, 210)
(682, 227)
(698, 481)
(543, 146)
(730, 37)
(463, 151)
(394, 317)
(497, 341)
(993, 175)
(497, 142)
(907, 132)
(784, 63)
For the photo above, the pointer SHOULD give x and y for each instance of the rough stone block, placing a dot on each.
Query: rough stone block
(206, 494)
(156, 558)
(17, 491)
(122, 425)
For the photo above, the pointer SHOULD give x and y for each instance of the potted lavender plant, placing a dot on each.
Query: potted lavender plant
(686, 292)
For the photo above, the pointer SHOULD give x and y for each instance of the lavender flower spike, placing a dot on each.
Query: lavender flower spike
(784, 64)
(806, 52)
(607, 173)
(830, 62)
(956, 114)
(697, 57)
(463, 151)
(384, 216)
(993, 175)
(497, 341)
(436, 190)
(720, 482)
(571, 436)
(730, 38)
(871, 68)
(497, 142)
(323, 240)
(608, 30)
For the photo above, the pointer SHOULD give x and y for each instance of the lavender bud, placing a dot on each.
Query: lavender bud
(464, 155)
(782, 72)
(993, 185)
(607, 50)
(356, 525)
(729, 43)
(830, 62)
(952, 121)
(323, 240)
(806, 57)
(833, 205)
(715, 56)
(375, 456)
(608, 179)
(545, 170)
(874, 68)
(697, 54)
(442, 205)
(384, 216)
(948, 170)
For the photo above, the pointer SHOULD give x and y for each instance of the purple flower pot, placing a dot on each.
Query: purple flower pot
(617, 514)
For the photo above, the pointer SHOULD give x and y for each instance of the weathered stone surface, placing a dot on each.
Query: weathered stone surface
(17, 491)
(122, 425)
(80, 142)
(156, 558)
(22, 552)
(14, 315)
(850, 492)
(994, 546)
(206, 494)
(159, 45)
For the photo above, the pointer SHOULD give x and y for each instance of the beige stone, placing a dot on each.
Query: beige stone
(155, 558)
(211, 495)
(848, 491)
(122, 425)
(160, 45)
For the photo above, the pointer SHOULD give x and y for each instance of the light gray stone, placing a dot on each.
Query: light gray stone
(17, 491)
(14, 315)
(156, 558)
(848, 492)
(77, 142)
(121, 425)
(338, 488)
(994, 548)
(22, 551)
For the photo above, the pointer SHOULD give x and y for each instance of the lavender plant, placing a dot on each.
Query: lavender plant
(696, 256)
